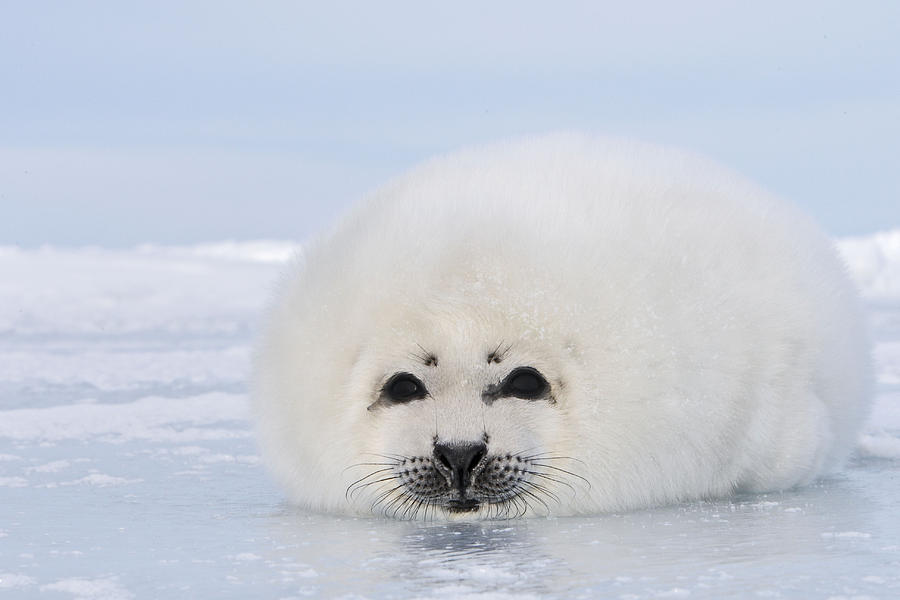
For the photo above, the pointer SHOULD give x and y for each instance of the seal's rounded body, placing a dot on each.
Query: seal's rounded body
(562, 325)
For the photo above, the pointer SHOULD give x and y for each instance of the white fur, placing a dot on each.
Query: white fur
(700, 337)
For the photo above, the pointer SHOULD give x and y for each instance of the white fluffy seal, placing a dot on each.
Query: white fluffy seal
(562, 325)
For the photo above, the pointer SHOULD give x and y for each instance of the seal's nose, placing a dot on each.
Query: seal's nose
(458, 461)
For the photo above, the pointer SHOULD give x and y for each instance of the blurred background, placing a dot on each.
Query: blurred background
(124, 123)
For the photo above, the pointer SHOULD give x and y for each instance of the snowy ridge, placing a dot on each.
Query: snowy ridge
(209, 289)
(254, 251)
(259, 251)
(874, 263)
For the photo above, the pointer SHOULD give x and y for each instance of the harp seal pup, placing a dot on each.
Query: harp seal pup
(559, 325)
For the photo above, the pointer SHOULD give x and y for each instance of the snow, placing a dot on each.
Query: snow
(128, 467)
(151, 419)
(846, 534)
(96, 589)
(11, 580)
(879, 446)
(874, 262)
(201, 291)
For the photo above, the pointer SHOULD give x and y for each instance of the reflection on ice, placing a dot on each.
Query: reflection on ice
(835, 535)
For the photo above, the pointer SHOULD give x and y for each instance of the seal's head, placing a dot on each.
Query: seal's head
(433, 391)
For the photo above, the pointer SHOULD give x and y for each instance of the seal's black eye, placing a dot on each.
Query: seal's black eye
(403, 387)
(525, 382)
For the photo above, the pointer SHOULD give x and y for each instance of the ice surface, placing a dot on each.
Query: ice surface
(128, 467)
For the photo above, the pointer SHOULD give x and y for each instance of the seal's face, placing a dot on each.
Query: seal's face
(461, 426)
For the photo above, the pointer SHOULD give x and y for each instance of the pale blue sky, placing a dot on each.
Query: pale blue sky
(180, 122)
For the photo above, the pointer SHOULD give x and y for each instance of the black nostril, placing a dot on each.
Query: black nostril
(475, 460)
(443, 459)
(460, 460)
